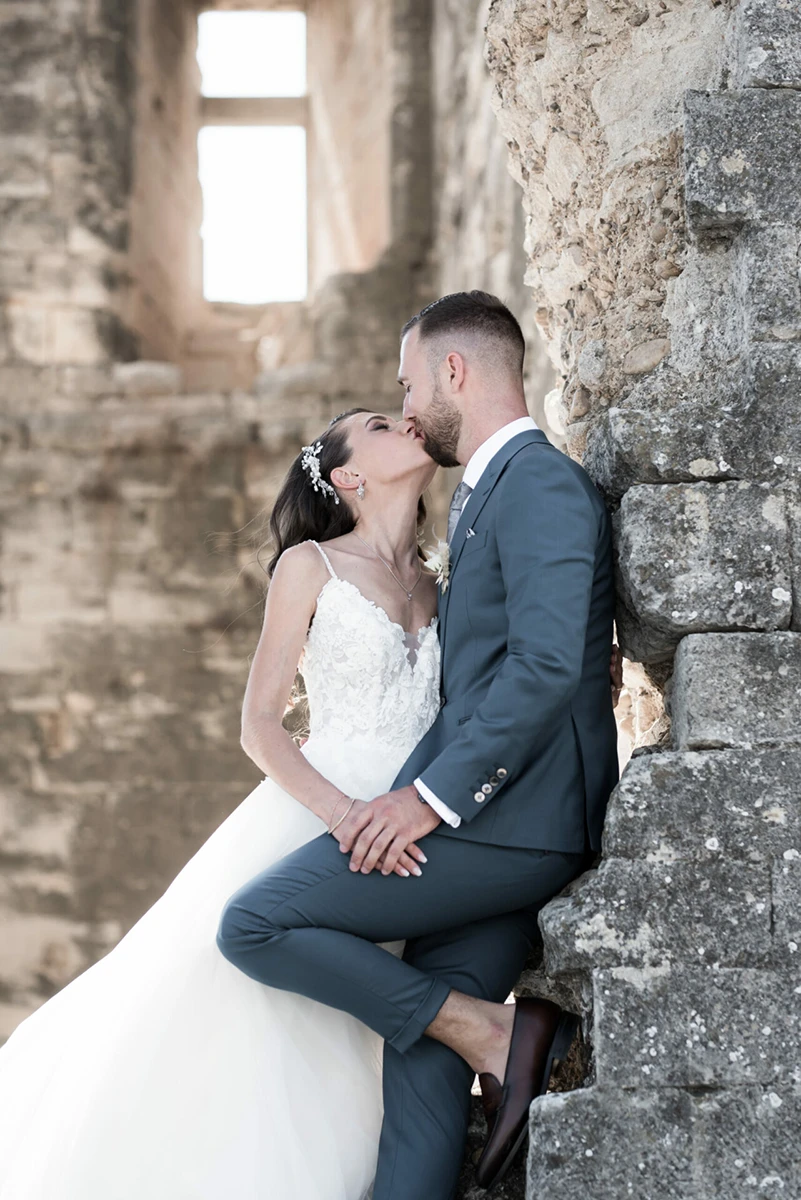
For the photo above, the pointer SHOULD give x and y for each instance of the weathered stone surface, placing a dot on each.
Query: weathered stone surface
(650, 914)
(708, 712)
(675, 425)
(767, 282)
(793, 495)
(786, 887)
(665, 1145)
(687, 1026)
(668, 430)
(144, 378)
(697, 557)
(767, 44)
(771, 384)
(733, 141)
(707, 806)
(590, 102)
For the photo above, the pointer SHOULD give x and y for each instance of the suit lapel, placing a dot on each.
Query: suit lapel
(475, 502)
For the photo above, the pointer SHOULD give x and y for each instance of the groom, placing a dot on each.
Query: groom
(505, 794)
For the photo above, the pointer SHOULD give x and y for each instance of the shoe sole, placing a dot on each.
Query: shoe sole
(562, 1041)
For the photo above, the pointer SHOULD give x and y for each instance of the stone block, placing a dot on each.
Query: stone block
(767, 284)
(767, 45)
(743, 422)
(693, 1027)
(709, 710)
(651, 914)
(734, 142)
(42, 333)
(696, 557)
(670, 1144)
(770, 418)
(793, 497)
(145, 378)
(786, 886)
(706, 806)
(667, 429)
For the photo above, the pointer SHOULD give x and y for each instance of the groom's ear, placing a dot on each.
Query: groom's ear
(454, 370)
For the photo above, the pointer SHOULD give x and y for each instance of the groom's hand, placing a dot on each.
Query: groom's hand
(385, 828)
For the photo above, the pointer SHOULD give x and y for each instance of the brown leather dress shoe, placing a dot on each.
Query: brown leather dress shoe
(542, 1032)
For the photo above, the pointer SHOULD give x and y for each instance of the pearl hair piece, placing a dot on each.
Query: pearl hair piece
(310, 462)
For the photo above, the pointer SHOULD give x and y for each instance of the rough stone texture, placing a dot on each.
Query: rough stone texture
(66, 159)
(666, 1145)
(734, 140)
(697, 557)
(768, 44)
(677, 1027)
(648, 914)
(589, 98)
(786, 888)
(657, 147)
(691, 805)
(761, 710)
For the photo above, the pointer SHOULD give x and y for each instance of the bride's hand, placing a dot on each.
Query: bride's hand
(407, 863)
(383, 829)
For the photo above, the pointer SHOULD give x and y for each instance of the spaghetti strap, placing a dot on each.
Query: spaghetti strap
(326, 560)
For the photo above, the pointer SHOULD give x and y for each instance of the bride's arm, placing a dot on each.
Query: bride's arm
(291, 600)
(296, 582)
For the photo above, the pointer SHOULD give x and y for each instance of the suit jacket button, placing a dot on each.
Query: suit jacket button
(494, 780)
(486, 789)
(443, 701)
(479, 796)
(502, 772)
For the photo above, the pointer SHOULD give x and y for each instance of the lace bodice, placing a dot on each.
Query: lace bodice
(365, 676)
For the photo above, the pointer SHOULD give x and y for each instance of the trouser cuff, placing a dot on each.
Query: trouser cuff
(428, 1008)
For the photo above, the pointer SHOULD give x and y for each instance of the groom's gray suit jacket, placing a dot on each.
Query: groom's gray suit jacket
(524, 748)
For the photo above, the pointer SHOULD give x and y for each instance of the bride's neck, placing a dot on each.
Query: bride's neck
(391, 532)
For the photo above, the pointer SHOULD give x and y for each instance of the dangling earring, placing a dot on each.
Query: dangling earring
(360, 489)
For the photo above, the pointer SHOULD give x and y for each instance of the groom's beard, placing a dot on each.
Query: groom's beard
(440, 428)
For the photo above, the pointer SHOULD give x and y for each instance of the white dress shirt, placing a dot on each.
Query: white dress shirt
(479, 461)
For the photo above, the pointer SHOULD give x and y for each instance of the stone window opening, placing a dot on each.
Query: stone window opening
(252, 155)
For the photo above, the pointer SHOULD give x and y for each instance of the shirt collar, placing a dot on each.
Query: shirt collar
(480, 459)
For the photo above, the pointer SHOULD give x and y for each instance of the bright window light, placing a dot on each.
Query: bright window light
(253, 180)
(252, 53)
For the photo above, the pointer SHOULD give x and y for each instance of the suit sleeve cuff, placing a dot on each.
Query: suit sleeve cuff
(442, 810)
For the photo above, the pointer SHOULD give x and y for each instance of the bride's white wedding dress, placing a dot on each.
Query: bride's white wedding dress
(164, 1073)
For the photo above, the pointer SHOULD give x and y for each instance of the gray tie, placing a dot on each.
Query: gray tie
(463, 490)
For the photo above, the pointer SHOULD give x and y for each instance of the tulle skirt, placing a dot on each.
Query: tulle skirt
(164, 1073)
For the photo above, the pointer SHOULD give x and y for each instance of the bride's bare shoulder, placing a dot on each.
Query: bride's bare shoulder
(299, 566)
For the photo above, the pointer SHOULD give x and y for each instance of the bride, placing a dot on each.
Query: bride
(163, 1072)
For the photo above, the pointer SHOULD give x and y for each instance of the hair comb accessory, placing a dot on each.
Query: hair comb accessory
(310, 461)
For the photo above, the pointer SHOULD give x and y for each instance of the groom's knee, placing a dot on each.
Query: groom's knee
(243, 926)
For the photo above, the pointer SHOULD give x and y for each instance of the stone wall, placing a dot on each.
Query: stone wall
(67, 83)
(478, 217)
(658, 149)
(350, 88)
(165, 201)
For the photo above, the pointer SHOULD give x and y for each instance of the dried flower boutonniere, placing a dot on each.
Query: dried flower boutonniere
(438, 559)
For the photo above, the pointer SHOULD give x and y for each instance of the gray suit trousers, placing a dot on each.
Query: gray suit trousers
(308, 924)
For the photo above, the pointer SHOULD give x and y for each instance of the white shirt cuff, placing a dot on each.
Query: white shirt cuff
(439, 808)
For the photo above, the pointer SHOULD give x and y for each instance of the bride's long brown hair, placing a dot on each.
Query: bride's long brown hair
(300, 513)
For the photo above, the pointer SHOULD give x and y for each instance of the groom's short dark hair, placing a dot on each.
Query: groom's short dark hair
(475, 313)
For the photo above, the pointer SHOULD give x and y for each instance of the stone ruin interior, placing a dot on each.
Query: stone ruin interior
(626, 174)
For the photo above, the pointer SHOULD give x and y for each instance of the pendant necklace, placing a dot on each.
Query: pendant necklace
(389, 568)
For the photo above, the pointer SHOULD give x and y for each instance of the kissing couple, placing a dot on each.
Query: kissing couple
(303, 1012)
